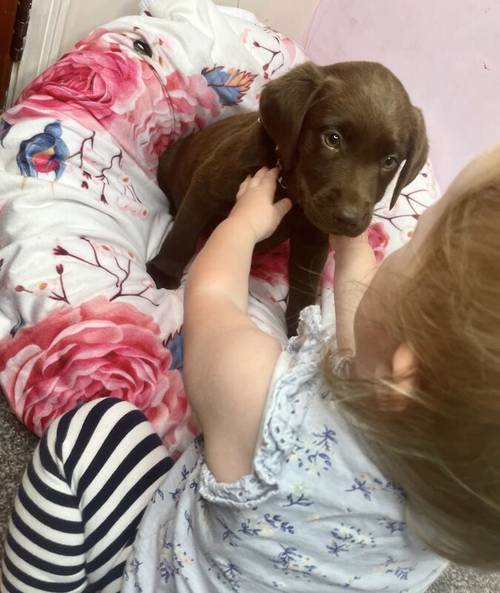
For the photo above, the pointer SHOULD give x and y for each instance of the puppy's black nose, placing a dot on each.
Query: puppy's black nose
(348, 216)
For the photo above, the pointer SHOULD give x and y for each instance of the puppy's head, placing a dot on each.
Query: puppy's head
(342, 132)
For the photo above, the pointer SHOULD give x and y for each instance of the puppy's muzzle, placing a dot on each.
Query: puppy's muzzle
(349, 216)
(340, 215)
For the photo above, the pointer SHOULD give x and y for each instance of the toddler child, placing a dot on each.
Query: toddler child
(362, 461)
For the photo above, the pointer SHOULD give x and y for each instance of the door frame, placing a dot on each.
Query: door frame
(8, 12)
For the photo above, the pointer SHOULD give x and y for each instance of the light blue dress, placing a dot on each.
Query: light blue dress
(316, 515)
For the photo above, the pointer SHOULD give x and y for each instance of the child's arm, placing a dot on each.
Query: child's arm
(228, 361)
(355, 265)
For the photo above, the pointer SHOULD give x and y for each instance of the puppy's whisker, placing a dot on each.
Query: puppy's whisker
(311, 271)
(300, 290)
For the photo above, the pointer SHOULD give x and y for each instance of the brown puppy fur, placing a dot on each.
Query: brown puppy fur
(339, 132)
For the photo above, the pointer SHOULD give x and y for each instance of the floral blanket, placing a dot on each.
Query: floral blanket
(81, 212)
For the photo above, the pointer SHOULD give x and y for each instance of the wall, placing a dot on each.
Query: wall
(87, 14)
(446, 52)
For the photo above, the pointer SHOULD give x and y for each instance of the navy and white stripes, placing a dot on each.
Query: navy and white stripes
(81, 500)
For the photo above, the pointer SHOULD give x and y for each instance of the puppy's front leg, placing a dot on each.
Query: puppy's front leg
(308, 253)
(195, 212)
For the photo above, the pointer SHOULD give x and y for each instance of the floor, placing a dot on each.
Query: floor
(16, 447)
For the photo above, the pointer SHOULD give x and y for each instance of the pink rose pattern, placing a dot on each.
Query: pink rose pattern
(96, 349)
(104, 83)
(378, 239)
(272, 266)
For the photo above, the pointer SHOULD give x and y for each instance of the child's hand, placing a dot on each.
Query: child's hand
(254, 203)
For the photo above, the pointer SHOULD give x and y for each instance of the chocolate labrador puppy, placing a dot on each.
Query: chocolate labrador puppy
(339, 134)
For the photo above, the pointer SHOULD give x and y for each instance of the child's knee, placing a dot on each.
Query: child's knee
(69, 435)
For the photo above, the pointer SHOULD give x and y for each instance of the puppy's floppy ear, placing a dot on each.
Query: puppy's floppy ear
(417, 155)
(284, 103)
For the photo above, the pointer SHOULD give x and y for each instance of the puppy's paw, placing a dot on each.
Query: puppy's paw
(163, 280)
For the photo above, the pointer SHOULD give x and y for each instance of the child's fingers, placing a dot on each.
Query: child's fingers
(243, 186)
(258, 177)
(268, 173)
(283, 206)
(265, 178)
(272, 174)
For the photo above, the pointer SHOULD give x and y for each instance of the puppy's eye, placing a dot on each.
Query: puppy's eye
(390, 162)
(333, 140)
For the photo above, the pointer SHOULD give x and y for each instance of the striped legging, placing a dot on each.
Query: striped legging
(82, 497)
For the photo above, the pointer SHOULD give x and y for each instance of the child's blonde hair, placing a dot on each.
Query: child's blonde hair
(444, 447)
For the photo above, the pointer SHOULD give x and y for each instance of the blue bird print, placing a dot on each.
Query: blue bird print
(4, 130)
(43, 153)
(175, 344)
(231, 85)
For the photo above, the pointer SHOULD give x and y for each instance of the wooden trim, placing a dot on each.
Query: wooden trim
(21, 26)
(8, 11)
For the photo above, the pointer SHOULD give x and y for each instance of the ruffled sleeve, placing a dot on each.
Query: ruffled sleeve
(294, 384)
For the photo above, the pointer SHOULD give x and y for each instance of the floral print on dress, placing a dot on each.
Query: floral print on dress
(173, 559)
(346, 538)
(317, 454)
(308, 532)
